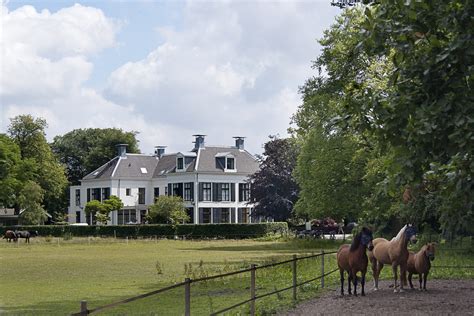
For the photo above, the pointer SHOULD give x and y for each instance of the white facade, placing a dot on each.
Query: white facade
(210, 196)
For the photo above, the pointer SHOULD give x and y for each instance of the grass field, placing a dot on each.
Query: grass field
(52, 276)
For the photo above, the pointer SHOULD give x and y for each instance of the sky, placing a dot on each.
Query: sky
(166, 69)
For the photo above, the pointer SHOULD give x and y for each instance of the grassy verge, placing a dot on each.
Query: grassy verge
(52, 275)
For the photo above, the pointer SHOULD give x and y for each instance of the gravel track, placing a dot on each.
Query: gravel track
(444, 297)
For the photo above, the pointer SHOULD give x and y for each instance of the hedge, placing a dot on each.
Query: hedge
(133, 231)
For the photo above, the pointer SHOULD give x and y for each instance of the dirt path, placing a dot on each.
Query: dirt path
(444, 297)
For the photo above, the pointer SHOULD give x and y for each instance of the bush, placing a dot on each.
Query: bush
(229, 231)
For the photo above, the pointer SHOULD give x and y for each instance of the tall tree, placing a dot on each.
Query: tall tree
(330, 173)
(84, 150)
(30, 201)
(273, 189)
(28, 133)
(428, 114)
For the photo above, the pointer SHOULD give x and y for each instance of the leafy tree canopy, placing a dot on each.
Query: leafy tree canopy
(168, 210)
(38, 162)
(84, 150)
(273, 189)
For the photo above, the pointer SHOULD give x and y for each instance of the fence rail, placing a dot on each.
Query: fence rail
(253, 296)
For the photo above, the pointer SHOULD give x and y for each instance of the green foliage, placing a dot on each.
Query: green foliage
(428, 116)
(102, 210)
(229, 231)
(169, 210)
(273, 189)
(38, 164)
(397, 77)
(330, 173)
(84, 150)
(30, 200)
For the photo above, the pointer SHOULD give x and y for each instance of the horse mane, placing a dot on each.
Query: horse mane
(355, 242)
(400, 234)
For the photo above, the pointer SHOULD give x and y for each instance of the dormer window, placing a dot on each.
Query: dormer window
(180, 163)
(230, 163)
(225, 161)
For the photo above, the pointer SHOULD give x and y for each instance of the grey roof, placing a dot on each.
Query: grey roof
(244, 161)
(129, 166)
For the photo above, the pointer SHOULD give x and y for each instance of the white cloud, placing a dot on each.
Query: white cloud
(231, 68)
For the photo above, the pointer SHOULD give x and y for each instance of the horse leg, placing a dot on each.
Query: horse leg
(410, 275)
(420, 278)
(395, 276)
(403, 276)
(362, 282)
(425, 277)
(341, 271)
(378, 269)
(354, 273)
(349, 281)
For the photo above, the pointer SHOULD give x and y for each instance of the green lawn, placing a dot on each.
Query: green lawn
(51, 276)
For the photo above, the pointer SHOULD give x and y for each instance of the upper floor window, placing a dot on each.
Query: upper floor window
(78, 197)
(96, 194)
(128, 191)
(244, 192)
(205, 191)
(105, 194)
(177, 189)
(156, 192)
(141, 195)
(180, 163)
(230, 163)
(188, 191)
(225, 192)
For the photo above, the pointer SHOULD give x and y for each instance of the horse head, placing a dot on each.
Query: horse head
(429, 250)
(366, 238)
(410, 233)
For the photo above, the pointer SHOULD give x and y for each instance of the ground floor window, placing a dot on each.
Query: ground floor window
(143, 217)
(125, 217)
(204, 215)
(243, 215)
(78, 216)
(190, 212)
(221, 215)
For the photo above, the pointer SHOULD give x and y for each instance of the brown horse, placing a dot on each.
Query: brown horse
(393, 252)
(352, 258)
(419, 263)
(9, 235)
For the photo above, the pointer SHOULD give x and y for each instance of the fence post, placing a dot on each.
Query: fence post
(187, 297)
(252, 289)
(84, 310)
(293, 265)
(322, 268)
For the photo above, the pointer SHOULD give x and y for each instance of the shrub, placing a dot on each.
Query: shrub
(228, 231)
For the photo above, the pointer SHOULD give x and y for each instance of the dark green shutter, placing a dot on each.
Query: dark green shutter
(192, 190)
(170, 193)
(232, 192)
(215, 192)
(201, 189)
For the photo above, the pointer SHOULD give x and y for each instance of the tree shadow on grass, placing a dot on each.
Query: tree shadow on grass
(287, 247)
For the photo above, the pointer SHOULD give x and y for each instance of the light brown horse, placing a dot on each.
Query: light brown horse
(419, 263)
(393, 252)
(352, 259)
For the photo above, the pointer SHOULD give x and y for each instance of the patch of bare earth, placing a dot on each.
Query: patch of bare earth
(444, 297)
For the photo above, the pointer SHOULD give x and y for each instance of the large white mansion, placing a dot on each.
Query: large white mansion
(211, 180)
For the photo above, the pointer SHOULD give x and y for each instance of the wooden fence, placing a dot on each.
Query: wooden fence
(253, 297)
